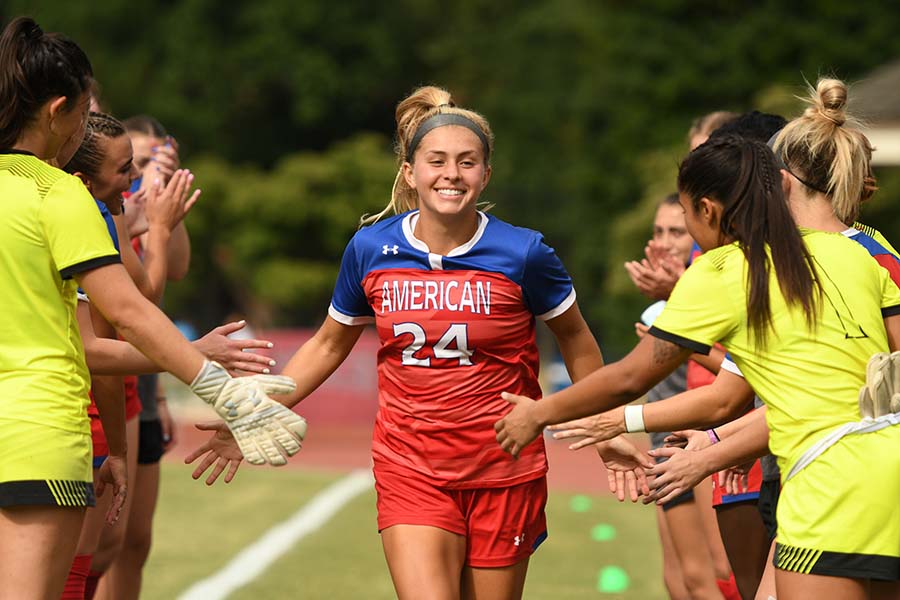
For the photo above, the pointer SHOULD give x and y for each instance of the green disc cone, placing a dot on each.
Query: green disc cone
(612, 580)
(603, 533)
(580, 503)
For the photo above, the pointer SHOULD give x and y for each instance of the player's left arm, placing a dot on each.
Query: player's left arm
(892, 326)
(577, 345)
(610, 386)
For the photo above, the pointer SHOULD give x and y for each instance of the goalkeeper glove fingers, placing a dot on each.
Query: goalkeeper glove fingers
(270, 434)
(234, 397)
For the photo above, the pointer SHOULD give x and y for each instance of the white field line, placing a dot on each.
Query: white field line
(256, 558)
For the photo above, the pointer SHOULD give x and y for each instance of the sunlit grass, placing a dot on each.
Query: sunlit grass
(199, 529)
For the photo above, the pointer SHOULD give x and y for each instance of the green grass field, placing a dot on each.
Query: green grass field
(593, 541)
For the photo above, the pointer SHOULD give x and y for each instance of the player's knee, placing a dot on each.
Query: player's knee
(110, 545)
(137, 545)
(696, 579)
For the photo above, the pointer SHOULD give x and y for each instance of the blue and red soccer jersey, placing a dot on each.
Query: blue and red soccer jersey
(882, 255)
(455, 331)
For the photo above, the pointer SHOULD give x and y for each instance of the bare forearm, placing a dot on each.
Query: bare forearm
(179, 253)
(147, 328)
(731, 428)
(582, 358)
(746, 444)
(115, 357)
(613, 385)
(707, 406)
(130, 259)
(318, 358)
(156, 261)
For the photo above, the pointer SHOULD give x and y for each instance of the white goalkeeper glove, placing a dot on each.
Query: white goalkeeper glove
(270, 434)
(881, 393)
(265, 430)
(234, 397)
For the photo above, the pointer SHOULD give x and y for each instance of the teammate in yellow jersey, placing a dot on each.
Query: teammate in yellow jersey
(52, 239)
(801, 313)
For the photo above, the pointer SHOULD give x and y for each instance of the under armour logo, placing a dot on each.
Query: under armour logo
(519, 539)
(385, 249)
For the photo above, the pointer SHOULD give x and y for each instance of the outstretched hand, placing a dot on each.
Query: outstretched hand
(625, 468)
(231, 354)
(113, 472)
(220, 450)
(593, 429)
(519, 427)
(681, 472)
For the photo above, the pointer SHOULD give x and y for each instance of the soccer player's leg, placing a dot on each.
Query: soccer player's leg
(422, 532)
(797, 586)
(37, 545)
(45, 485)
(500, 583)
(112, 536)
(421, 557)
(505, 527)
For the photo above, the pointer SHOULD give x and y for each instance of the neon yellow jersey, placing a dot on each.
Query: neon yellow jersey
(809, 379)
(50, 230)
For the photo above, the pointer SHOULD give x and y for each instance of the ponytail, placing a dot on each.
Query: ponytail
(742, 176)
(826, 147)
(34, 68)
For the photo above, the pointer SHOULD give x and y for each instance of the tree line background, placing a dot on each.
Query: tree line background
(285, 109)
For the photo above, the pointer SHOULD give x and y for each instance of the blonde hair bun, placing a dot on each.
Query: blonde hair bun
(829, 100)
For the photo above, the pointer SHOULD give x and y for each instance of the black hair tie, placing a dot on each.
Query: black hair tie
(34, 32)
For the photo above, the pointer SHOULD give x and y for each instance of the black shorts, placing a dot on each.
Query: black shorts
(150, 446)
(769, 491)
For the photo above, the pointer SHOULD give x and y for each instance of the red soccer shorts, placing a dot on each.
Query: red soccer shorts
(754, 481)
(502, 526)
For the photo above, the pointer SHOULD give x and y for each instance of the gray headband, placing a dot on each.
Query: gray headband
(440, 120)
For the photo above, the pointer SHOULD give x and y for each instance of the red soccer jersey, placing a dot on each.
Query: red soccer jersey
(455, 332)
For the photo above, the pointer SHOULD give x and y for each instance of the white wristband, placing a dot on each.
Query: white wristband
(634, 418)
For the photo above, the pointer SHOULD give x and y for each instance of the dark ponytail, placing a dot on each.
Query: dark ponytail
(742, 176)
(34, 68)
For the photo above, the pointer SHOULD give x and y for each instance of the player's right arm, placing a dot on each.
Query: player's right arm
(319, 357)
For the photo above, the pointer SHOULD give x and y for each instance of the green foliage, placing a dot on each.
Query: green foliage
(269, 242)
(590, 102)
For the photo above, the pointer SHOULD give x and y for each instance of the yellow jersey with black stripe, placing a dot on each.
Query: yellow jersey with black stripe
(808, 378)
(50, 230)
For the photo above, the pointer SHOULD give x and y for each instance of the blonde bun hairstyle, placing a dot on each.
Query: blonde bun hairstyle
(422, 104)
(826, 147)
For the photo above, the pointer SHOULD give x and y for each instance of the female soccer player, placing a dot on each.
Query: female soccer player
(827, 188)
(104, 164)
(690, 542)
(801, 316)
(454, 294)
(52, 239)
